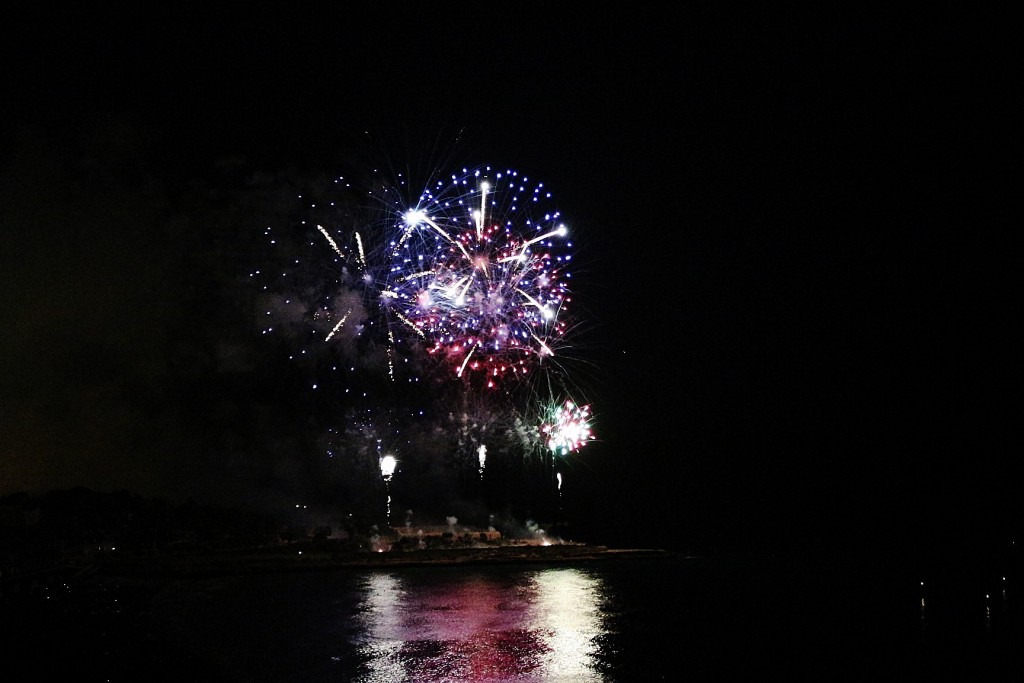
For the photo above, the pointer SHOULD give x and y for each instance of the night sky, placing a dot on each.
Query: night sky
(797, 256)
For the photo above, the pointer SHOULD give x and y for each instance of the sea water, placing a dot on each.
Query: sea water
(631, 620)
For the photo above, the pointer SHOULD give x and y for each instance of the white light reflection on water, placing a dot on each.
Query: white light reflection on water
(383, 613)
(531, 627)
(566, 608)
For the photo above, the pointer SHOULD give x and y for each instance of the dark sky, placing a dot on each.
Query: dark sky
(800, 258)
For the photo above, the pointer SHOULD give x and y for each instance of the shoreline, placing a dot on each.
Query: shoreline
(220, 563)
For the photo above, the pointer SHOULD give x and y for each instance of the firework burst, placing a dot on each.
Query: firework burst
(480, 271)
(566, 427)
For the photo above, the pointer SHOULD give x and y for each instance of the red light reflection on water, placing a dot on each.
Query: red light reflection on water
(541, 626)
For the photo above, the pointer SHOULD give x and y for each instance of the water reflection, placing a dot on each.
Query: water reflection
(526, 626)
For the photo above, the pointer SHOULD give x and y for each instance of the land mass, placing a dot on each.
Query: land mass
(82, 534)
